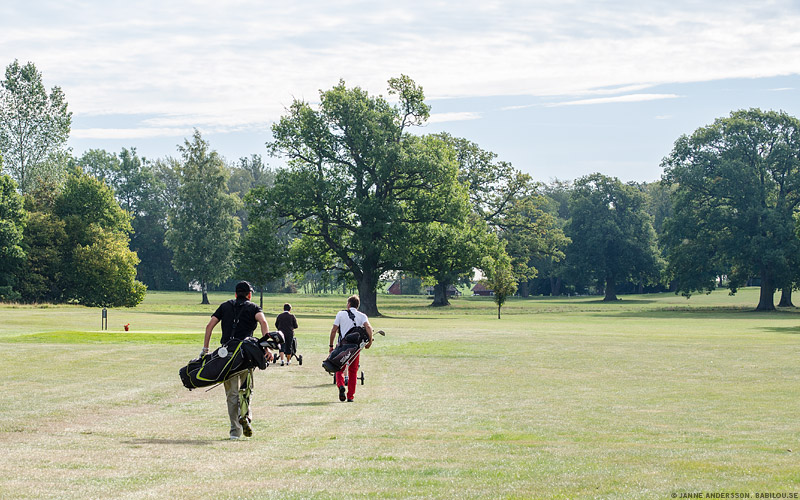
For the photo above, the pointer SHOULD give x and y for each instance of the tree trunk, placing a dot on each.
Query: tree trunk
(498, 311)
(786, 297)
(368, 293)
(440, 295)
(261, 299)
(525, 288)
(555, 286)
(204, 288)
(611, 290)
(766, 299)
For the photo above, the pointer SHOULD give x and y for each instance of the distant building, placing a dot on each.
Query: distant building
(407, 285)
(396, 288)
(481, 290)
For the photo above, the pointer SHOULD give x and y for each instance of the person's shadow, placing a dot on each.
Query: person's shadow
(194, 442)
(313, 403)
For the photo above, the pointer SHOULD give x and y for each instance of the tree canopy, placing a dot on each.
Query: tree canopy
(12, 224)
(357, 182)
(737, 189)
(499, 277)
(34, 126)
(99, 269)
(612, 235)
(261, 255)
(203, 231)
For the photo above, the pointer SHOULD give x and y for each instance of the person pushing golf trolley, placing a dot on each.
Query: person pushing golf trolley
(354, 333)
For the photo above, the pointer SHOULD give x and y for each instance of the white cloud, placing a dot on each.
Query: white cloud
(238, 64)
(129, 133)
(616, 99)
(453, 117)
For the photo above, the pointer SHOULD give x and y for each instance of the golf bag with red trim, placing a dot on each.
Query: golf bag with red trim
(347, 350)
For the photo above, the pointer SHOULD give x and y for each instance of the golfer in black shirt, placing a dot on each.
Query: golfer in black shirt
(239, 318)
(287, 323)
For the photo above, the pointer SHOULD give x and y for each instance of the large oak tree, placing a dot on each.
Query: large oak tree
(612, 234)
(357, 181)
(737, 189)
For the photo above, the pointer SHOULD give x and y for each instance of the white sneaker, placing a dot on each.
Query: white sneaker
(235, 438)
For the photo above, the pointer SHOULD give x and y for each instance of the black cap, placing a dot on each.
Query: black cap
(243, 288)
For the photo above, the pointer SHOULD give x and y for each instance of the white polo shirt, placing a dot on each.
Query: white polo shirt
(344, 322)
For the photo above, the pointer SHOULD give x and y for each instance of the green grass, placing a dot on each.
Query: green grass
(562, 398)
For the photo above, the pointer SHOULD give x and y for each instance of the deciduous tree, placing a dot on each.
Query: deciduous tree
(202, 229)
(34, 126)
(737, 190)
(99, 269)
(262, 256)
(499, 277)
(358, 182)
(12, 224)
(612, 235)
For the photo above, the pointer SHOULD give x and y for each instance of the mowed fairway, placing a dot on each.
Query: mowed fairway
(562, 398)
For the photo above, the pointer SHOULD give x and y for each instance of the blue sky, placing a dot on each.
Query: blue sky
(558, 88)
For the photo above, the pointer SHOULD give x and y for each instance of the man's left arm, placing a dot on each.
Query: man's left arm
(262, 320)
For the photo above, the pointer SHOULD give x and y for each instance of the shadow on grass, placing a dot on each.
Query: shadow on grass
(174, 313)
(195, 442)
(786, 330)
(313, 386)
(721, 313)
(312, 403)
(621, 302)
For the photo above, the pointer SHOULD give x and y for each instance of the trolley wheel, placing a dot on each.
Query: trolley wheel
(362, 378)
(334, 378)
(300, 360)
(346, 379)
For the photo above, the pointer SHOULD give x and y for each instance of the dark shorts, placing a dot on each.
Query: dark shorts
(288, 343)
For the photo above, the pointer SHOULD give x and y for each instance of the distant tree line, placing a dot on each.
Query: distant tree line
(363, 198)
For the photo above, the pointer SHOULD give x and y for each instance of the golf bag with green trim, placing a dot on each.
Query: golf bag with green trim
(244, 396)
(232, 357)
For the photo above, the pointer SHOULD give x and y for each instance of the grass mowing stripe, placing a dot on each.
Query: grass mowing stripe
(77, 337)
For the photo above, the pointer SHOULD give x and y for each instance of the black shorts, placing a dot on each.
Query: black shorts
(288, 343)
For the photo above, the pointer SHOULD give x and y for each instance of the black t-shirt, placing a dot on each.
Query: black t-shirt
(246, 312)
(286, 322)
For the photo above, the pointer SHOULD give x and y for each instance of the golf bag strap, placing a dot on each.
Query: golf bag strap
(236, 318)
(352, 318)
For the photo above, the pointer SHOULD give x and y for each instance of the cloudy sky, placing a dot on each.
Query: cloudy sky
(559, 88)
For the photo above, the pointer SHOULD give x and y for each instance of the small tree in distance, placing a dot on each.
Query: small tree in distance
(499, 277)
(261, 257)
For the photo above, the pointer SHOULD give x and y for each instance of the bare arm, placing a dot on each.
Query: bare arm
(209, 328)
(368, 328)
(262, 320)
(333, 336)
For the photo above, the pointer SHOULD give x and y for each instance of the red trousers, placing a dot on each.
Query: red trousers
(352, 377)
